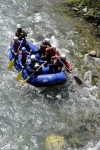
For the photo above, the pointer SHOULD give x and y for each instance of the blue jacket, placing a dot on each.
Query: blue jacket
(13, 49)
(21, 60)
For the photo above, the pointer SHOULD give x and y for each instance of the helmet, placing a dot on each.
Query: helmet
(33, 57)
(18, 26)
(63, 56)
(15, 38)
(46, 41)
(54, 48)
(23, 49)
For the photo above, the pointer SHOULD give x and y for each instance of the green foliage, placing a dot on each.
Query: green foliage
(91, 3)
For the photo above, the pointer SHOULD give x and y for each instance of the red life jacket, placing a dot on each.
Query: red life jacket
(49, 52)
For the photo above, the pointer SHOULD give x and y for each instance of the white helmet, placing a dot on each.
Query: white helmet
(15, 38)
(33, 57)
(63, 56)
(46, 40)
(18, 26)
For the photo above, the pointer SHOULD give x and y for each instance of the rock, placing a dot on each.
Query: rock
(84, 10)
(74, 9)
(94, 53)
(54, 142)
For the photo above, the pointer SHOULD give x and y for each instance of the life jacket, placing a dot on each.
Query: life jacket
(50, 52)
(16, 47)
(24, 56)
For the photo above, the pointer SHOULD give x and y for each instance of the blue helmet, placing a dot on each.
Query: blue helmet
(23, 49)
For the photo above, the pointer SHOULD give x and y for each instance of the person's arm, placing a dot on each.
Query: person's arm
(39, 61)
(57, 53)
(19, 59)
(47, 51)
(55, 57)
(16, 34)
(28, 67)
(12, 48)
(68, 65)
(24, 33)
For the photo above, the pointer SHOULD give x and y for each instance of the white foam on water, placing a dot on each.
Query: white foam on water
(37, 17)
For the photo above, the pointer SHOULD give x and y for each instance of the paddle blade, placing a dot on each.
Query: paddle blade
(23, 82)
(79, 81)
(11, 64)
(19, 76)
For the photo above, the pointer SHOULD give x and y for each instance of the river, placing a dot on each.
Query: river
(28, 114)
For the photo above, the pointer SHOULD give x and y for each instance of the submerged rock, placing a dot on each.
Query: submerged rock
(54, 142)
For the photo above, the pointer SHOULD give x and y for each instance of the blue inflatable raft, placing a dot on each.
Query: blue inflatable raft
(43, 79)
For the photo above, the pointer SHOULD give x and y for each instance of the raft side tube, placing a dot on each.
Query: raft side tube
(33, 47)
(61, 77)
(52, 78)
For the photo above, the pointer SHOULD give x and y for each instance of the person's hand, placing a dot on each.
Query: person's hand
(19, 52)
(15, 54)
(57, 57)
(70, 71)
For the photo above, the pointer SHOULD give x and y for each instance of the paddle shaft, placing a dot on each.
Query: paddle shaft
(65, 66)
(20, 45)
(30, 76)
(36, 70)
(75, 77)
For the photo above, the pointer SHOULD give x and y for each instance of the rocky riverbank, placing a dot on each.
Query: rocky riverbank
(89, 36)
(76, 8)
(86, 23)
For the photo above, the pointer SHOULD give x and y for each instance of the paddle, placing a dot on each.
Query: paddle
(20, 73)
(19, 76)
(30, 75)
(78, 81)
(11, 64)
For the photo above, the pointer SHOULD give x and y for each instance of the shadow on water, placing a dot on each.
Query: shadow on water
(55, 96)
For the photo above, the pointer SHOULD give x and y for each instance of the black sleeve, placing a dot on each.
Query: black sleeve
(16, 34)
(43, 46)
(25, 34)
